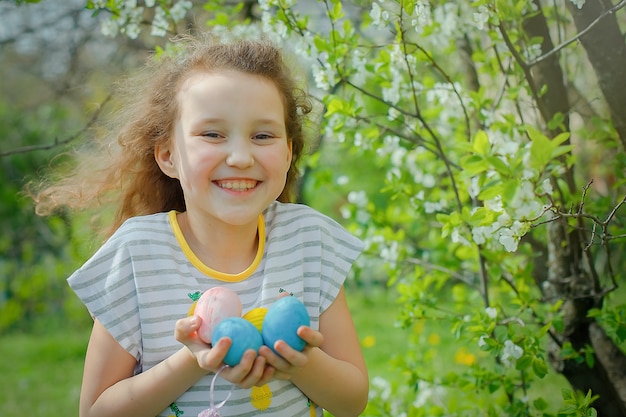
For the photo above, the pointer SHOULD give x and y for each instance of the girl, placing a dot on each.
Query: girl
(206, 165)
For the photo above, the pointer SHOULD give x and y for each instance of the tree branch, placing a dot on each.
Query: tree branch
(58, 142)
(557, 48)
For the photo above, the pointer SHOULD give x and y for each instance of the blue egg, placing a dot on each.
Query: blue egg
(243, 335)
(282, 321)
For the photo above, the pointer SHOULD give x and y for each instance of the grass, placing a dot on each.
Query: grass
(40, 375)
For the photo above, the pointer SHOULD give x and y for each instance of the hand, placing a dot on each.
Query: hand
(289, 361)
(252, 369)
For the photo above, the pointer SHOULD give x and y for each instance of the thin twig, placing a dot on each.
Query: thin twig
(557, 48)
(57, 141)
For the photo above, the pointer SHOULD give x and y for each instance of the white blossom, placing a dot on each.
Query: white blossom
(358, 198)
(393, 114)
(481, 17)
(433, 207)
(422, 16)
(532, 52)
(511, 353)
(481, 340)
(492, 312)
(265, 5)
(376, 14)
(159, 23)
(546, 187)
(390, 253)
(109, 28)
(447, 17)
(456, 235)
(494, 204)
(428, 180)
(397, 156)
(481, 233)
(132, 30)
(578, 3)
(525, 204)
(382, 387)
(502, 144)
(428, 392)
(150, 3)
(179, 10)
(509, 237)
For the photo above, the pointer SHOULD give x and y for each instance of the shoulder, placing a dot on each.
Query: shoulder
(281, 213)
(142, 228)
(135, 234)
(289, 219)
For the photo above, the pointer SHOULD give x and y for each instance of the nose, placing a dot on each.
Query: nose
(240, 155)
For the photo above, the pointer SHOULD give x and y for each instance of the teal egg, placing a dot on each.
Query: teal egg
(243, 335)
(282, 321)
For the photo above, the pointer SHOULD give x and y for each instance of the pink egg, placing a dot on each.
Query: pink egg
(213, 306)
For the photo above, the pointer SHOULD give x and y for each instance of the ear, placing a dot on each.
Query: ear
(164, 158)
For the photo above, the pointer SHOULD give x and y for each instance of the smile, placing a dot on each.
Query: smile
(237, 185)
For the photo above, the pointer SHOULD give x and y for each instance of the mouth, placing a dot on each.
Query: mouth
(237, 185)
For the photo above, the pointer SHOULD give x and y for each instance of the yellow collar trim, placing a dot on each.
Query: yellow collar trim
(222, 276)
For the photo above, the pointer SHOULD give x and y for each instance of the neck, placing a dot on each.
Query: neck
(225, 248)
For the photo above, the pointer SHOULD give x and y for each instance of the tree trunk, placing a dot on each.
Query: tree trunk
(564, 269)
(606, 49)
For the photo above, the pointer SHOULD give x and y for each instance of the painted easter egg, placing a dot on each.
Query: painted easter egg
(243, 335)
(256, 316)
(215, 305)
(282, 321)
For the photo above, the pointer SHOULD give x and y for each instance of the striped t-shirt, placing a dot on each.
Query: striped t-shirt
(145, 277)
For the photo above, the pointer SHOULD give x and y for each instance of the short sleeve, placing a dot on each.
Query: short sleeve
(106, 285)
(339, 251)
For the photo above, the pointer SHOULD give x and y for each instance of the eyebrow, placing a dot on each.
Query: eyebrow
(266, 121)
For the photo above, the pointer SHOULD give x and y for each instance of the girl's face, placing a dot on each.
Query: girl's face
(230, 149)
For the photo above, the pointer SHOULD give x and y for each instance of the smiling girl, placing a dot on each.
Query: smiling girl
(202, 172)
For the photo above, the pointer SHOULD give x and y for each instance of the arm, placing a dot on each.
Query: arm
(110, 389)
(331, 370)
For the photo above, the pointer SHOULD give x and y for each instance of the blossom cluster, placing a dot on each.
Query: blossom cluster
(126, 16)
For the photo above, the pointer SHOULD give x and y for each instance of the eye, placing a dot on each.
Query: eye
(213, 135)
(262, 136)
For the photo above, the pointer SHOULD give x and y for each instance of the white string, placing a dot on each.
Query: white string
(212, 411)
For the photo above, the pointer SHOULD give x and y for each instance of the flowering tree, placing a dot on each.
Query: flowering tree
(492, 135)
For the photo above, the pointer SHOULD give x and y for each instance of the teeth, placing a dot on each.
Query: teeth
(237, 185)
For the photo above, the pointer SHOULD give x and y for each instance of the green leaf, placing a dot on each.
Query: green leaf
(473, 165)
(499, 165)
(491, 191)
(540, 149)
(480, 143)
(524, 362)
(540, 404)
(539, 367)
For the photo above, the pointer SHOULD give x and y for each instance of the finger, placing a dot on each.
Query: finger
(269, 373)
(256, 373)
(185, 327)
(273, 358)
(311, 337)
(290, 356)
(213, 359)
(238, 373)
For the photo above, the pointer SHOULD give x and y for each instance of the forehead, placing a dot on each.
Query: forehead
(215, 90)
(217, 80)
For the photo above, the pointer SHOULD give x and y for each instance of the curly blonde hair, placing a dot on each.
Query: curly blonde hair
(121, 170)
